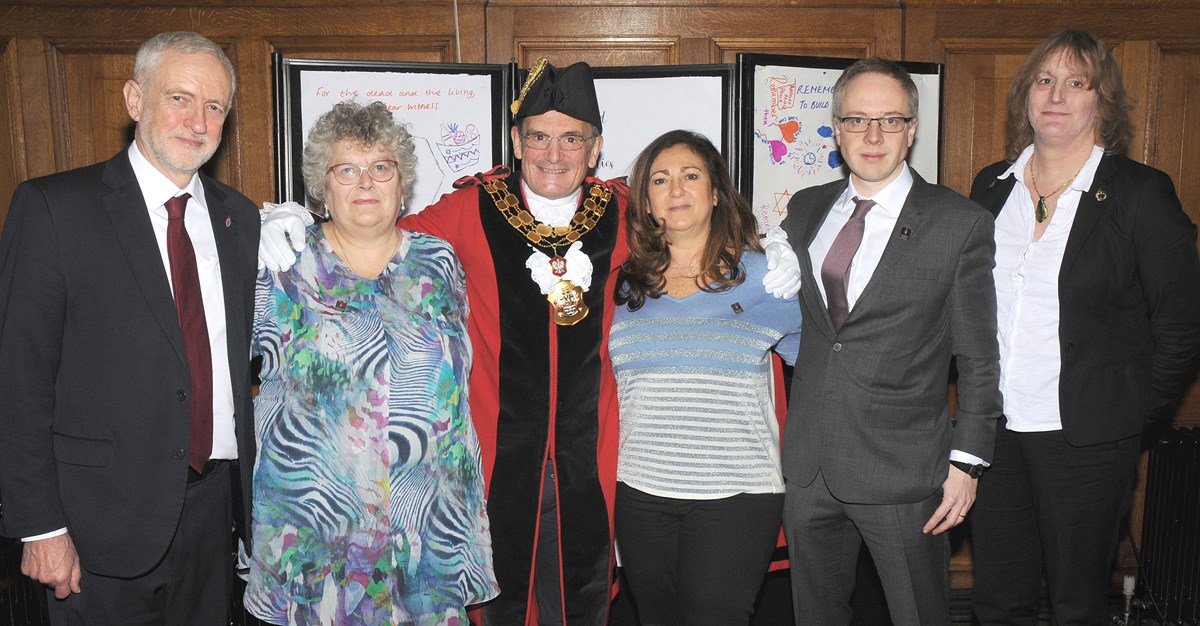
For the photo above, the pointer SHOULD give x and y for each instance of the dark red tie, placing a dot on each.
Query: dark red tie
(189, 303)
(835, 271)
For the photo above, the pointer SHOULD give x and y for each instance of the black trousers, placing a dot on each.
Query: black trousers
(191, 585)
(695, 562)
(1048, 504)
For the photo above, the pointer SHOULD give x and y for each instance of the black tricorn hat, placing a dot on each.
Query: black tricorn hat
(569, 91)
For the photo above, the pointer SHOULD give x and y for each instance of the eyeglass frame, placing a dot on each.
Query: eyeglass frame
(362, 169)
(878, 122)
(550, 139)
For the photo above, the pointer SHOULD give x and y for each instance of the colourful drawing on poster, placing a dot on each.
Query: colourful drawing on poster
(793, 129)
(459, 146)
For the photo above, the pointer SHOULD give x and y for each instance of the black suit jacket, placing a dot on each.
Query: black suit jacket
(869, 409)
(93, 406)
(1129, 299)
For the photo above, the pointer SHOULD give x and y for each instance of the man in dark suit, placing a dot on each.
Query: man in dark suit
(126, 290)
(897, 282)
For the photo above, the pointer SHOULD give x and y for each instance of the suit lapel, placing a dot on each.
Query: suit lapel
(1092, 204)
(225, 233)
(126, 209)
(813, 222)
(897, 250)
(996, 194)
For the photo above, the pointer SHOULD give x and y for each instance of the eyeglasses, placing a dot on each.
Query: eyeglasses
(542, 141)
(380, 171)
(890, 124)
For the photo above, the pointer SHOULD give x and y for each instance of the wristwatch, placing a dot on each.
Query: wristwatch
(974, 471)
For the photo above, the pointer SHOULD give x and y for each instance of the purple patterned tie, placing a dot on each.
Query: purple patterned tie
(189, 303)
(835, 271)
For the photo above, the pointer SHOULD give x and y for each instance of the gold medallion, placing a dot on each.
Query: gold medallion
(567, 300)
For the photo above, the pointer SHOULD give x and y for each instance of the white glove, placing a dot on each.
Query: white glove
(783, 267)
(282, 236)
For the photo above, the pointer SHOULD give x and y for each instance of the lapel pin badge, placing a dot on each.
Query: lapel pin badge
(1101, 196)
(228, 221)
(736, 306)
(905, 232)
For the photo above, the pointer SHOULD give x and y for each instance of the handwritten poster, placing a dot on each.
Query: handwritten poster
(456, 125)
(788, 135)
(639, 104)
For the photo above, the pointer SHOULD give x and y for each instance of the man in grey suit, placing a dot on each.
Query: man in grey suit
(897, 283)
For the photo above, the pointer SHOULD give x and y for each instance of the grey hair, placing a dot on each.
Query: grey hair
(365, 125)
(876, 65)
(151, 51)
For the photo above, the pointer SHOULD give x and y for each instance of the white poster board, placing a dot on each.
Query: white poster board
(787, 127)
(639, 104)
(451, 111)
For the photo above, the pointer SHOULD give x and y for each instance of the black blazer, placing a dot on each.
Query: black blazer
(93, 405)
(1129, 298)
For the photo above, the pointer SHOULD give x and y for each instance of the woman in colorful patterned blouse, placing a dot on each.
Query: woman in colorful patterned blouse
(700, 489)
(368, 492)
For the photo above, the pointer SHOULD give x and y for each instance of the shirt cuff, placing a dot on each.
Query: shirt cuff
(49, 535)
(969, 459)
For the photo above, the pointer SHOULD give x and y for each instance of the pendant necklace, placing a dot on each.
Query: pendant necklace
(1041, 212)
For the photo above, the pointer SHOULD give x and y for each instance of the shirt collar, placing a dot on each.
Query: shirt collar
(1082, 181)
(890, 199)
(156, 187)
(557, 212)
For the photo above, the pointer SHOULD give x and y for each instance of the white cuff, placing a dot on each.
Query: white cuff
(49, 535)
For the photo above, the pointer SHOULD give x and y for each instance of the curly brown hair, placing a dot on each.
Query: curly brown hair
(1114, 131)
(733, 228)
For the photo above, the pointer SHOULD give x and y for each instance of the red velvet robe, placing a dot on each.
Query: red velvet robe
(538, 390)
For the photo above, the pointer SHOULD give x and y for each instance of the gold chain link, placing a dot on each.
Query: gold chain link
(543, 235)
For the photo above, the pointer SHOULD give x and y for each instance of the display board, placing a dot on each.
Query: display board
(785, 122)
(454, 112)
(637, 104)
(770, 115)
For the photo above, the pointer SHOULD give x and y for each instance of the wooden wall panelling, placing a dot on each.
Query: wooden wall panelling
(87, 76)
(1175, 147)
(72, 62)
(12, 136)
(665, 33)
(37, 130)
(978, 73)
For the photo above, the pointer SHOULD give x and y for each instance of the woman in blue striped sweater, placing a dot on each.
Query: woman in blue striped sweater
(700, 492)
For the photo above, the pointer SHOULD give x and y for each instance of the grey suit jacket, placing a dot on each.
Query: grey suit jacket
(94, 423)
(869, 407)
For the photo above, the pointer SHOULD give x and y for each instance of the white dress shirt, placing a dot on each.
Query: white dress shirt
(1027, 298)
(880, 221)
